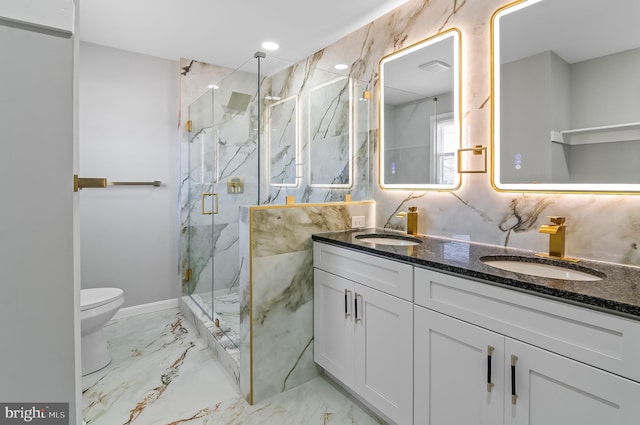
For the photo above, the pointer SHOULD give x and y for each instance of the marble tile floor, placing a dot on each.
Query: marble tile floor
(163, 374)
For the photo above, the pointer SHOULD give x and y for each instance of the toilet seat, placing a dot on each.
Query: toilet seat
(95, 297)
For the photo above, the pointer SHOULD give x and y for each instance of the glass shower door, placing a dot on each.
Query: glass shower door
(201, 172)
(223, 174)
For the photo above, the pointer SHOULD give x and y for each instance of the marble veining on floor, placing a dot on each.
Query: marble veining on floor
(162, 373)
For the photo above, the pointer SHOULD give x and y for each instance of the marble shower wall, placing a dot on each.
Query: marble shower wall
(331, 109)
(276, 291)
(600, 227)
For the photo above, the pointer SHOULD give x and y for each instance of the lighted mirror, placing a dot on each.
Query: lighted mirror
(420, 115)
(330, 116)
(284, 163)
(566, 96)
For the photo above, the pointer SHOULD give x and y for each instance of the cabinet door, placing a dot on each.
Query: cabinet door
(555, 390)
(451, 370)
(384, 352)
(333, 325)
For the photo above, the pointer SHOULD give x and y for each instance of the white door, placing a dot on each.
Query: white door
(38, 295)
(333, 325)
(555, 390)
(384, 352)
(458, 375)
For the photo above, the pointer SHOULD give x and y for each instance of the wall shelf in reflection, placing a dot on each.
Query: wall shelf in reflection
(605, 134)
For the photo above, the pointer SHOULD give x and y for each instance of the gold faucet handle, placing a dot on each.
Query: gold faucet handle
(556, 219)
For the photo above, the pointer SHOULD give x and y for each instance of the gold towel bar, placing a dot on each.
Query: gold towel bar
(153, 183)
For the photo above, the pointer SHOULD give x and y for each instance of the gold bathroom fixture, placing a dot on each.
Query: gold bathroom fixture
(556, 231)
(155, 183)
(84, 182)
(215, 208)
(188, 125)
(476, 150)
(87, 182)
(412, 220)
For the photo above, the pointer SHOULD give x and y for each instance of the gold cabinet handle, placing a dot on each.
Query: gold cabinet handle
(215, 203)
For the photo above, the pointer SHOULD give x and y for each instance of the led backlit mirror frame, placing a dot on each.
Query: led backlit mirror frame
(422, 51)
(609, 19)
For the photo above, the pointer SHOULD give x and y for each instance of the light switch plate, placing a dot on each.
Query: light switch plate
(357, 221)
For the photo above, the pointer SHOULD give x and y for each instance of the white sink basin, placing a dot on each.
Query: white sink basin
(386, 239)
(542, 269)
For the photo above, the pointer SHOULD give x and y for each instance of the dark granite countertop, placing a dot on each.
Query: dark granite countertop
(618, 292)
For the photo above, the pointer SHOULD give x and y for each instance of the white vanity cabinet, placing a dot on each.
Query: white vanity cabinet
(551, 355)
(363, 327)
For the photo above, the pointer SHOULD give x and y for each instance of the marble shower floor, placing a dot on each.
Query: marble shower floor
(163, 374)
(227, 311)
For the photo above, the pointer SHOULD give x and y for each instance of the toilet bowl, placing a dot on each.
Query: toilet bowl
(97, 307)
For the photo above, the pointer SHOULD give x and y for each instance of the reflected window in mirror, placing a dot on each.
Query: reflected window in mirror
(566, 96)
(419, 115)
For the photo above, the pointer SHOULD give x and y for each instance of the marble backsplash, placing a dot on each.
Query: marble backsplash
(600, 227)
(276, 292)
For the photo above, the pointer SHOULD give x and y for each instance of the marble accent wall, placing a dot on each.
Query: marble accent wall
(332, 108)
(276, 291)
(600, 227)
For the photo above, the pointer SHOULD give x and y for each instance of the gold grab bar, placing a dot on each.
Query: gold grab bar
(215, 204)
(153, 183)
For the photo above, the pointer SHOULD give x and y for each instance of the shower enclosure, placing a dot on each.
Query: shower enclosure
(222, 163)
(301, 132)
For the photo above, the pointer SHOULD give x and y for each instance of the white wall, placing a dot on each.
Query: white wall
(129, 132)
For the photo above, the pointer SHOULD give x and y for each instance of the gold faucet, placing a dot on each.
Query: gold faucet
(556, 232)
(412, 220)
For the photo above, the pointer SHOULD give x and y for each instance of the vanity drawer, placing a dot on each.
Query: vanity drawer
(602, 340)
(388, 276)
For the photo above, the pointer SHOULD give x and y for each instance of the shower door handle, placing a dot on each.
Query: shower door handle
(215, 203)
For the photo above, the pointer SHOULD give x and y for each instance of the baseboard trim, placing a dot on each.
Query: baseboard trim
(135, 310)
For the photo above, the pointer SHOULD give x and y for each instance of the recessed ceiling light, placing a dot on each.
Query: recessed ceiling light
(341, 66)
(270, 45)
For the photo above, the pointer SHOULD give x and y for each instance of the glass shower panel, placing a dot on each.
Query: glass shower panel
(201, 175)
(333, 122)
(330, 124)
(235, 153)
(283, 142)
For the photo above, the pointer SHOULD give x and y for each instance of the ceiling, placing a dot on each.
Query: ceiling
(225, 33)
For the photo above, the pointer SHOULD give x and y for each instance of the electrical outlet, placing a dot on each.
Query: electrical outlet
(357, 221)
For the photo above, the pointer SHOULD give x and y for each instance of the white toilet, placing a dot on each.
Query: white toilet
(97, 307)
